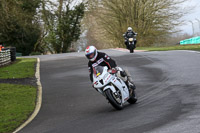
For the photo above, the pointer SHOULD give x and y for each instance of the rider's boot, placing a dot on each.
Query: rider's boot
(129, 81)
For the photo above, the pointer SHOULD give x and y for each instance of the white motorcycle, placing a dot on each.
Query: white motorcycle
(112, 87)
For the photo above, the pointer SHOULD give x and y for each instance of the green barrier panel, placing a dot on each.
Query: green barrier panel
(181, 42)
(194, 40)
(197, 40)
(188, 41)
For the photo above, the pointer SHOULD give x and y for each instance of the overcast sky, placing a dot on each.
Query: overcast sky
(195, 14)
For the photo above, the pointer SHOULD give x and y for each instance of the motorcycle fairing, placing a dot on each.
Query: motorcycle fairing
(102, 81)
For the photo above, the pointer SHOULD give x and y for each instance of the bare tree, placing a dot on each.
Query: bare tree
(153, 20)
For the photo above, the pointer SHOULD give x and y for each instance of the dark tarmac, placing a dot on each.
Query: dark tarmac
(168, 90)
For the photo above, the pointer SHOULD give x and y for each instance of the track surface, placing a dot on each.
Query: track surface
(168, 88)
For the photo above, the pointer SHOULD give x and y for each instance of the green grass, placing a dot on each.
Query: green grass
(22, 68)
(17, 102)
(166, 48)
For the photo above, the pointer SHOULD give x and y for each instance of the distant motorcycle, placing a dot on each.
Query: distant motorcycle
(131, 43)
(112, 87)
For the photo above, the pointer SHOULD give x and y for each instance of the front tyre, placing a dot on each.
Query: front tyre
(114, 99)
(131, 49)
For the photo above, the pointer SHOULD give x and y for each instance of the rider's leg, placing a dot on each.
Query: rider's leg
(130, 80)
(126, 43)
(126, 77)
(135, 43)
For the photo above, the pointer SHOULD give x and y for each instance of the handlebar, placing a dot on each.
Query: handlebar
(112, 71)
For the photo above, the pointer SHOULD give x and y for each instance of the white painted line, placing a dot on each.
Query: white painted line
(39, 99)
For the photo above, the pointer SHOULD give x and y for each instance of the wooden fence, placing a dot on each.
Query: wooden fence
(5, 57)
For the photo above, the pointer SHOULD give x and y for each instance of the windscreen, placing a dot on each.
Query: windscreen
(98, 70)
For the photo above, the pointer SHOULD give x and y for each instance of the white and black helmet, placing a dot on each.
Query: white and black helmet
(129, 29)
(91, 53)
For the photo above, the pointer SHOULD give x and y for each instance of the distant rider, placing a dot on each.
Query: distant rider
(129, 34)
(99, 58)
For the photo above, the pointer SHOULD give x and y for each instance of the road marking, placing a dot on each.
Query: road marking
(39, 99)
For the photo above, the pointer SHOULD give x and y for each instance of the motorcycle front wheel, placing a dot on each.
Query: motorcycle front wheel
(131, 49)
(114, 99)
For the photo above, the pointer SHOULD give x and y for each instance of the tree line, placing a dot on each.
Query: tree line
(154, 20)
(46, 26)
(40, 25)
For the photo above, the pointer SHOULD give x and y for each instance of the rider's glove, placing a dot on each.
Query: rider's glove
(112, 71)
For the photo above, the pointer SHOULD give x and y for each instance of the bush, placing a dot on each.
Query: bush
(35, 53)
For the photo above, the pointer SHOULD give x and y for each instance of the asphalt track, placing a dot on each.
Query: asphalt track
(168, 88)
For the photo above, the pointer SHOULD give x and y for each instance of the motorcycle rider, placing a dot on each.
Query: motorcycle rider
(129, 34)
(99, 58)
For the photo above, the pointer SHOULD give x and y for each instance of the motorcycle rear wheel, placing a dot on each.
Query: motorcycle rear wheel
(113, 101)
(133, 98)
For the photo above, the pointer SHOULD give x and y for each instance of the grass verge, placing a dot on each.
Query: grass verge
(22, 68)
(17, 104)
(177, 47)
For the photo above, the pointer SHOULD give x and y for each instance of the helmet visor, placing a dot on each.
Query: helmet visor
(90, 56)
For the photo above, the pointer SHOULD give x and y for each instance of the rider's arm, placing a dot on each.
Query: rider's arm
(110, 62)
(126, 35)
(134, 33)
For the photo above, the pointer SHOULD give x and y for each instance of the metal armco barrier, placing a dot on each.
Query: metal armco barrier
(5, 57)
(13, 53)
